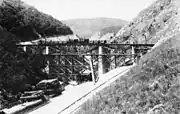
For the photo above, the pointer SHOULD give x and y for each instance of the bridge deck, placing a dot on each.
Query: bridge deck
(79, 43)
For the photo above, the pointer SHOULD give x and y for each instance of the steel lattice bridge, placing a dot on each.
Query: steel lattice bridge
(80, 56)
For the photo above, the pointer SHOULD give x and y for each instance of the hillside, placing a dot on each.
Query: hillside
(152, 24)
(153, 85)
(21, 22)
(87, 27)
(27, 22)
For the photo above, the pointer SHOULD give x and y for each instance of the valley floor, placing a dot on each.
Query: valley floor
(74, 96)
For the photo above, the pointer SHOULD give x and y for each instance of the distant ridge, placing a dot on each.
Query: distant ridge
(87, 27)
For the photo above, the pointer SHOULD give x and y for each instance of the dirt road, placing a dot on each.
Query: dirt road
(75, 96)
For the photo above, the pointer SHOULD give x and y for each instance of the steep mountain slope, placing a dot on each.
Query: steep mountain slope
(27, 22)
(153, 85)
(152, 24)
(87, 27)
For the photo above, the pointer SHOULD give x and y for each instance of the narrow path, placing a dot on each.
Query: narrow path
(75, 96)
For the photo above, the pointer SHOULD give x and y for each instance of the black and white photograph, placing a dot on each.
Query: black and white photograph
(89, 56)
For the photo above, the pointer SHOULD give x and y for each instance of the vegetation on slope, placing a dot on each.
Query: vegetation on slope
(28, 23)
(88, 27)
(151, 24)
(153, 86)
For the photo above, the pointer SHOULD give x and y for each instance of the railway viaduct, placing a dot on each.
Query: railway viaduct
(78, 56)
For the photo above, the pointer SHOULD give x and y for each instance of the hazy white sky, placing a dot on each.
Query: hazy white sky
(70, 9)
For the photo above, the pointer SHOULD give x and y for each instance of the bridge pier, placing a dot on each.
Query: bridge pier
(106, 60)
(133, 55)
(100, 61)
(103, 61)
(47, 52)
(24, 48)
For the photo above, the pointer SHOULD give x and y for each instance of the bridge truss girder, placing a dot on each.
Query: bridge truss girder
(71, 60)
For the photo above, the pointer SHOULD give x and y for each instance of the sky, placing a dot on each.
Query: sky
(75, 9)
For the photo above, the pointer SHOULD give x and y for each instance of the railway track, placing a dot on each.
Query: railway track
(89, 94)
